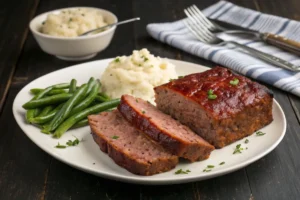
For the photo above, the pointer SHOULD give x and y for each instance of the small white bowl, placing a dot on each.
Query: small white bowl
(76, 48)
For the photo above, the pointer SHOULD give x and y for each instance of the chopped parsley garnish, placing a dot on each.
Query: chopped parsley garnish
(117, 60)
(151, 65)
(43, 22)
(259, 133)
(238, 149)
(70, 19)
(83, 15)
(59, 146)
(209, 92)
(140, 65)
(73, 143)
(146, 59)
(235, 81)
(143, 111)
(246, 141)
(136, 100)
(208, 168)
(180, 171)
(69, 143)
(180, 76)
(222, 163)
(211, 95)
(115, 137)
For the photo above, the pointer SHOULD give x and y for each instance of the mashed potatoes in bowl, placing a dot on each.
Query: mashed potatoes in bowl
(72, 22)
(136, 75)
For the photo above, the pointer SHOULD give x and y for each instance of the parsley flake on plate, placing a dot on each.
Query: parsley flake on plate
(59, 146)
(180, 171)
(222, 163)
(238, 149)
(259, 133)
(208, 168)
(73, 143)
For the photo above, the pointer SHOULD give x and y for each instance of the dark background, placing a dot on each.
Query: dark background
(26, 172)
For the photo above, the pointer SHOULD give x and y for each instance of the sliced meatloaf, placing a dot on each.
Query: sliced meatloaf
(171, 134)
(219, 105)
(128, 147)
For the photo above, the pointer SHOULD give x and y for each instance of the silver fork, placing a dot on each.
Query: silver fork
(201, 28)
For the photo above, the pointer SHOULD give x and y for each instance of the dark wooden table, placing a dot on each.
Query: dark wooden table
(26, 172)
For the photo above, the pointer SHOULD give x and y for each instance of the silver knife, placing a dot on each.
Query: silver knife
(272, 39)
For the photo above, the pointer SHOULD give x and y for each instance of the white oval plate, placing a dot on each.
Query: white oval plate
(88, 157)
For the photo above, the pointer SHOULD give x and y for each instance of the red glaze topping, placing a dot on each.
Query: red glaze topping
(230, 99)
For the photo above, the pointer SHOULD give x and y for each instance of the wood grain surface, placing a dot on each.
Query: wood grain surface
(26, 172)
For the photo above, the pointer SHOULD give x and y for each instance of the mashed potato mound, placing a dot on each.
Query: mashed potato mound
(136, 75)
(72, 22)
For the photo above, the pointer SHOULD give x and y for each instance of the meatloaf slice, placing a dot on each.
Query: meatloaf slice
(219, 105)
(128, 147)
(171, 134)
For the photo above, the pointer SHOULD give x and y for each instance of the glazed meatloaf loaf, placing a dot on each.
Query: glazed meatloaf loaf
(219, 105)
(171, 134)
(128, 147)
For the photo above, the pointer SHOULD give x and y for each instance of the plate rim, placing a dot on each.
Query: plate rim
(137, 180)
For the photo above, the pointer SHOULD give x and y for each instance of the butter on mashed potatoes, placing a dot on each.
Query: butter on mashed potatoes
(72, 22)
(136, 75)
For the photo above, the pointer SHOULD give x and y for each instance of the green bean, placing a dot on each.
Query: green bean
(81, 123)
(51, 92)
(66, 109)
(45, 91)
(46, 110)
(72, 88)
(46, 118)
(104, 95)
(56, 91)
(67, 124)
(90, 84)
(35, 91)
(33, 112)
(61, 86)
(55, 99)
(87, 101)
(100, 99)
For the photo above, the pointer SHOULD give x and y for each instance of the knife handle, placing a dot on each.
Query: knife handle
(283, 43)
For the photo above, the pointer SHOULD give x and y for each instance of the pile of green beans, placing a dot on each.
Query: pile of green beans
(61, 107)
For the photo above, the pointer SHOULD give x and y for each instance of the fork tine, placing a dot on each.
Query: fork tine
(202, 37)
(186, 23)
(197, 10)
(199, 27)
(198, 17)
(198, 35)
(196, 21)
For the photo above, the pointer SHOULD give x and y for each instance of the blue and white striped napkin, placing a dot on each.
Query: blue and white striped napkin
(177, 35)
